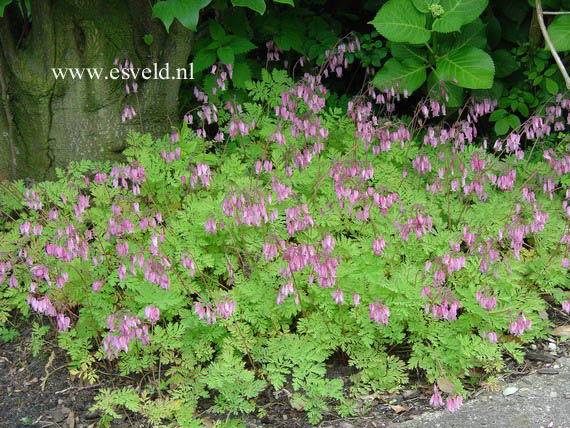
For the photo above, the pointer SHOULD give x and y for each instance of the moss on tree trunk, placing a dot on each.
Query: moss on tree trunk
(60, 120)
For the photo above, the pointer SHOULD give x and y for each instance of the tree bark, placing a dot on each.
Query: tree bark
(56, 121)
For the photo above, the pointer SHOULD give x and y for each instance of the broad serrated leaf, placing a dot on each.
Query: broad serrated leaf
(404, 51)
(551, 86)
(471, 67)
(408, 74)
(241, 74)
(204, 59)
(3, 4)
(256, 5)
(493, 31)
(241, 45)
(502, 126)
(505, 63)
(559, 32)
(473, 34)
(187, 12)
(226, 55)
(400, 21)
(458, 13)
(216, 30)
(423, 5)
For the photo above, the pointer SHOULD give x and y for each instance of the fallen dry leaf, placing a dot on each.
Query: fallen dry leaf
(399, 409)
(563, 330)
(445, 385)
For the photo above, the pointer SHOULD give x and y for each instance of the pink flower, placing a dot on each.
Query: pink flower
(96, 286)
(13, 282)
(378, 246)
(151, 313)
(566, 306)
(565, 262)
(328, 243)
(338, 296)
(62, 322)
(25, 228)
(356, 299)
(436, 401)
(210, 226)
(379, 313)
(519, 326)
(454, 404)
(122, 272)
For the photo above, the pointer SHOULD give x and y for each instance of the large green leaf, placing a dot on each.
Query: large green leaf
(472, 34)
(289, 2)
(400, 21)
(472, 67)
(240, 45)
(458, 13)
(423, 5)
(226, 55)
(408, 74)
(404, 51)
(257, 5)
(505, 63)
(559, 32)
(435, 85)
(204, 59)
(187, 12)
(3, 4)
(216, 30)
(242, 74)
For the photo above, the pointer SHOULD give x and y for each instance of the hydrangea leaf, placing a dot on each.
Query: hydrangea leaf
(400, 21)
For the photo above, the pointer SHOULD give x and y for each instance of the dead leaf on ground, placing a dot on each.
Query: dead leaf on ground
(399, 409)
(445, 385)
(563, 330)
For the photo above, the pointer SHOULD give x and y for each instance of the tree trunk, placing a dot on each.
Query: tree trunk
(56, 121)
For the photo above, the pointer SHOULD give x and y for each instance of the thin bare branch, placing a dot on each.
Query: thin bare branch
(547, 12)
(540, 15)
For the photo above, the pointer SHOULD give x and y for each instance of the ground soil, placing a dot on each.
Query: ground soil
(29, 399)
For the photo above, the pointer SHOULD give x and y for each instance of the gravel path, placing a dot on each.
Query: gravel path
(540, 400)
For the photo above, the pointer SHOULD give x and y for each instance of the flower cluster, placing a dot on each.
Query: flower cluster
(224, 308)
(518, 327)
(420, 224)
(249, 209)
(335, 59)
(379, 313)
(130, 328)
(134, 173)
(485, 301)
(201, 172)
